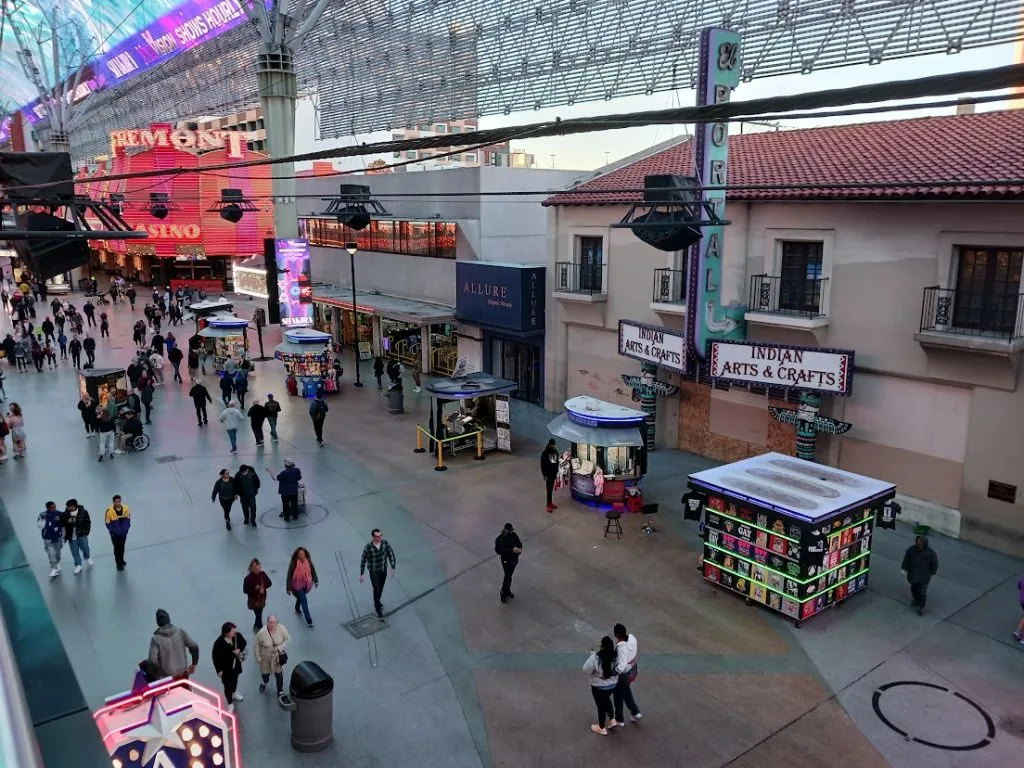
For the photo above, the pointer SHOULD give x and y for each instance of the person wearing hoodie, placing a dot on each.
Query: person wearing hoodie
(318, 413)
(146, 395)
(77, 526)
(603, 679)
(200, 397)
(118, 520)
(87, 407)
(241, 385)
(257, 415)
(227, 386)
(169, 649)
(247, 485)
(224, 491)
(231, 417)
(52, 530)
(920, 563)
(273, 409)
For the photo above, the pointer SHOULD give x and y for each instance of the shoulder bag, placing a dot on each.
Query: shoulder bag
(282, 656)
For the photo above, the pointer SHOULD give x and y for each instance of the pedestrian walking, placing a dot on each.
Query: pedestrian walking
(118, 520)
(271, 642)
(105, 429)
(377, 555)
(273, 409)
(4, 431)
(254, 587)
(301, 581)
(77, 526)
(288, 488)
(16, 423)
(603, 679)
(21, 354)
(549, 469)
(231, 417)
(318, 413)
(920, 563)
(51, 528)
(378, 371)
(157, 343)
(224, 491)
(104, 326)
(227, 387)
(156, 362)
(174, 357)
(241, 386)
(257, 415)
(417, 371)
(227, 655)
(62, 342)
(193, 365)
(89, 345)
(508, 547)
(139, 334)
(130, 293)
(247, 485)
(87, 409)
(146, 395)
(89, 310)
(170, 648)
(75, 348)
(200, 397)
(47, 328)
(626, 667)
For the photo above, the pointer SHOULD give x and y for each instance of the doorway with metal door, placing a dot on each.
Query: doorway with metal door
(520, 362)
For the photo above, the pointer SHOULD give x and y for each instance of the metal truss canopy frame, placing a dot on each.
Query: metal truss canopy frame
(381, 65)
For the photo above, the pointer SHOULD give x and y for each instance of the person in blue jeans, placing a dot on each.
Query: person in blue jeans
(53, 536)
(232, 417)
(301, 581)
(77, 526)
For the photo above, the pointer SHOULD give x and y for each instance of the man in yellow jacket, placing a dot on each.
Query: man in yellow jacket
(118, 520)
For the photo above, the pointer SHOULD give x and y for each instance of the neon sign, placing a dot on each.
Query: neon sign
(170, 724)
(171, 231)
(180, 138)
(294, 282)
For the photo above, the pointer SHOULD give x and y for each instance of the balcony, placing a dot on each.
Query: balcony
(579, 282)
(787, 303)
(669, 294)
(986, 322)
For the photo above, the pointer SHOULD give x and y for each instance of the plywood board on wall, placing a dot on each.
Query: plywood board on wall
(738, 414)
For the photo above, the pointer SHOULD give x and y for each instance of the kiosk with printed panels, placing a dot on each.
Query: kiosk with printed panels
(225, 337)
(309, 361)
(787, 533)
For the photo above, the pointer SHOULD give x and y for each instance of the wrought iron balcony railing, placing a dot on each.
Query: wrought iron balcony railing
(968, 313)
(669, 286)
(571, 277)
(786, 296)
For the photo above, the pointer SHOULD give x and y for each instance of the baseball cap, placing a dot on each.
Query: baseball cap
(508, 526)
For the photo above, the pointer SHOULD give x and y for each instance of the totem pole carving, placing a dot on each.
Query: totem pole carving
(646, 389)
(808, 423)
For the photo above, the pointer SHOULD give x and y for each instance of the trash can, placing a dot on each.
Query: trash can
(396, 400)
(312, 690)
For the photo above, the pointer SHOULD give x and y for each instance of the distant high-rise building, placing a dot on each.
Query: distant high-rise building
(501, 155)
(249, 122)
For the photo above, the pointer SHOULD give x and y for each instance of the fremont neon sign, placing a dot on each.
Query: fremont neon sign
(180, 138)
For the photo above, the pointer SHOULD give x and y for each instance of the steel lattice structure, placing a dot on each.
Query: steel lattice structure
(377, 64)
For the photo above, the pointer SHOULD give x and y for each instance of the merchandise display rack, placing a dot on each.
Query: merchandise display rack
(789, 534)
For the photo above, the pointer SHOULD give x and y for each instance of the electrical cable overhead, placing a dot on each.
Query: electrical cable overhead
(937, 85)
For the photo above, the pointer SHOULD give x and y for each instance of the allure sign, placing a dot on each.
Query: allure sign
(179, 138)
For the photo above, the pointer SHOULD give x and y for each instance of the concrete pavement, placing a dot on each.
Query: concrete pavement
(457, 678)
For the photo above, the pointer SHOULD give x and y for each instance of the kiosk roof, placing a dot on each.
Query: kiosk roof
(793, 486)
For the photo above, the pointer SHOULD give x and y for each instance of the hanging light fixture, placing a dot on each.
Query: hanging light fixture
(354, 206)
(160, 205)
(233, 205)
(671, 214)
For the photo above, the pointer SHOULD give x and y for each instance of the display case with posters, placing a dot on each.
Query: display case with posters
(787, 533)
(100, 384)
(309, 360)
(225, 337)
(476, 402)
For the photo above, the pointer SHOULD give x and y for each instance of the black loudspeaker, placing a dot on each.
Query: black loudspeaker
(667, 188)
(21, 171)
(675, 223)
(354, 215)
(273, 295)
(48, 257)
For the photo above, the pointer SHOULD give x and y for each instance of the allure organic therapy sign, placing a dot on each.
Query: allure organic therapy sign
(665, 347)
(775, 365)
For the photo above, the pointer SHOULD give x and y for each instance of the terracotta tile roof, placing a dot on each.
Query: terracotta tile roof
(971, 148)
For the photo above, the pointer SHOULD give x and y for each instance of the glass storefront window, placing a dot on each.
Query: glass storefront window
(412, 238)
(444, 349)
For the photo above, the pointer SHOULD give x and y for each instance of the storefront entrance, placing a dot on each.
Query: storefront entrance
(521, 362)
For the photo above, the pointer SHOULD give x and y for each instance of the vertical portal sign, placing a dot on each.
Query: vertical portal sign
(719, 74)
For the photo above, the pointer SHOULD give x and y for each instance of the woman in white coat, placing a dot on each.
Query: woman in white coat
(270, 642)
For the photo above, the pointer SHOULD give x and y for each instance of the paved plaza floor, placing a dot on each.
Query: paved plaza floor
(457, 679)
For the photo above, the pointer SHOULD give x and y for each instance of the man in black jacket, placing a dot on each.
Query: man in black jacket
(77, 526)
(919, 565)
(508, 547)
(200, 397)
(247, 485)
(89, 345)
(174, 356)
(549, 468)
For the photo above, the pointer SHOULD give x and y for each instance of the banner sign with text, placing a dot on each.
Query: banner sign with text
(775, 365)
(665, 347)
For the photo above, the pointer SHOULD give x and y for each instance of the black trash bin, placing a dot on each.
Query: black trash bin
(396, 400)
(312, 690)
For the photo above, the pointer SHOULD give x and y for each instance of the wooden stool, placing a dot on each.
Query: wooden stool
(612, 524)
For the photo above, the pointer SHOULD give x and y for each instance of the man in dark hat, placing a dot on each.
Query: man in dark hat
(920, 563)
(508, 547)
(169, 649)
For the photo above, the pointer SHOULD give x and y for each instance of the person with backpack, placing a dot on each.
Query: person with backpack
(318, 413)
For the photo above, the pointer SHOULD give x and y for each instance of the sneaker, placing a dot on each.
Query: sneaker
(550, 507)
(101, 458)
(78, 569)
(88, 561)
(309, 624)
(237, 697)
(638, 715)
(119, 453)
(263, 687)
(599, 730)
(298, 611)
(231, 707)
(234, 450)
(54, 573)
(1017, 635)
(90, 435)
(613, 723)
(380, 617)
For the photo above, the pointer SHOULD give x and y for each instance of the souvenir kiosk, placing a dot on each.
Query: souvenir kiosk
(225, 338)
(608, 458)
(100, 384)
(308, 359)
(467, 405)
(787, 533)
(202, 311)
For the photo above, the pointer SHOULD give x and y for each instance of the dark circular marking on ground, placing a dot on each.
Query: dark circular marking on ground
(315, 513)
(990, 726)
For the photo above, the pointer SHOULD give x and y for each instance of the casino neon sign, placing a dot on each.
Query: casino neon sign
(180, 138)
(171, 231)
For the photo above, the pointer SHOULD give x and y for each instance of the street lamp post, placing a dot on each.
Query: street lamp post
(352, 249)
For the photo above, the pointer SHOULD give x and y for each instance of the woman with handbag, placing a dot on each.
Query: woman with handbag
(271, 642)
(255, 586)
(228, 653)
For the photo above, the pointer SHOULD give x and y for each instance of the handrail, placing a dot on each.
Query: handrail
(18, 745)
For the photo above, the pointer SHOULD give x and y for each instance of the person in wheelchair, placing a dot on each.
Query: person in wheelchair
(131, 429)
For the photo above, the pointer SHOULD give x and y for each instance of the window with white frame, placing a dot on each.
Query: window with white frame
(590, 263)
(801, 271)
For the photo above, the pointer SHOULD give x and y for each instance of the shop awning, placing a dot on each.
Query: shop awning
(392, 307)
(210, 332)
(604, 437)
(472, 385)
